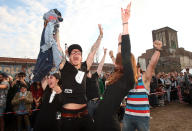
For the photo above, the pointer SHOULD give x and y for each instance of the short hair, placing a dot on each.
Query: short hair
(21, 74)
(3, 74)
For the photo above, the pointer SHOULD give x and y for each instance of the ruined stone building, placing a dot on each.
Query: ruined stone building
(173, 57)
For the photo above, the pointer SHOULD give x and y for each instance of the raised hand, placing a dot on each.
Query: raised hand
(157, 44)
(111, 53)
(125, 13)
(100, 30)
(44, 82)
(105, 50)
(57, 89)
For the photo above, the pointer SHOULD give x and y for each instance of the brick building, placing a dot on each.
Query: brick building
(172, 57)
(13, 66)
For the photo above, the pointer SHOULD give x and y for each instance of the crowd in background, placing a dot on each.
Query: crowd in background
(20, 100)
(164, 88)
(172, 86)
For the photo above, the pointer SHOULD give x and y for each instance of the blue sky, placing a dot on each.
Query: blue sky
(21, 24)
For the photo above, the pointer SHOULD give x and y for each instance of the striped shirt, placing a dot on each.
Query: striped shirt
(137, 102)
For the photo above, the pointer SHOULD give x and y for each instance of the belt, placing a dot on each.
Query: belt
(76, 115)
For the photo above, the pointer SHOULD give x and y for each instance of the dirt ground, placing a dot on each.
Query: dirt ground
(172, 117)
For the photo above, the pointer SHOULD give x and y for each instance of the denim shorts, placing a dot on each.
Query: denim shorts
(131, 123)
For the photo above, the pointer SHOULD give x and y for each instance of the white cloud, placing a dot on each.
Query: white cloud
(21, 28)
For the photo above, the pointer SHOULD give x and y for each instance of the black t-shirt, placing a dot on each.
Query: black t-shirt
(92, 87)
(73, 84)
(46, 118)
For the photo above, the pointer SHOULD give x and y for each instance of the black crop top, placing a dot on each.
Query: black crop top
(73, 84)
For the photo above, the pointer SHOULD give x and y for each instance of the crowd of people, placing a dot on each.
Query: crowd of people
(65, 95)
(172, 86)
(164, 88)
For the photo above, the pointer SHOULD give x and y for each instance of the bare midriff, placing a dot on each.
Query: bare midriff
(74, 106)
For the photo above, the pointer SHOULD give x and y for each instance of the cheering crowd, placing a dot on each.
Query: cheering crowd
(64, 95)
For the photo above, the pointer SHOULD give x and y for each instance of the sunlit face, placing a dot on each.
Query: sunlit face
(52, 81)
(75, 57)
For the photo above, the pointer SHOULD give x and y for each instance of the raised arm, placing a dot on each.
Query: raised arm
(57, 38)
(100, 66)
(94, 48)
(44, 82)
(118, 51)
(125, 15)
(112, 56)
(63, 55)
(125, 44)
(154, 59)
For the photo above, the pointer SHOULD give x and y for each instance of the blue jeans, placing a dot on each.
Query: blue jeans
(131, 123)
(91, 107)
(44, 62)
(49, 55)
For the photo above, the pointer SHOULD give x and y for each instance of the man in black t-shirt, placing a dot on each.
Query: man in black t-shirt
(74, 116)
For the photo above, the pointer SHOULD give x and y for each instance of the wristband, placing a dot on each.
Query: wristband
(125, 23)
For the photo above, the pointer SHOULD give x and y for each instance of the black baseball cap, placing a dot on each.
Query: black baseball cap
(74, 46)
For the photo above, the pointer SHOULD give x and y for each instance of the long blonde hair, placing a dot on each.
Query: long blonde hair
(116, 75)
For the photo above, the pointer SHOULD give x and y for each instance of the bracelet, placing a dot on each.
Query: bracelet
(112, 56)
(125, 23)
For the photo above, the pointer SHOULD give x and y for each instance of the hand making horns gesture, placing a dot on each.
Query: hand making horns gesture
(125, 13)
